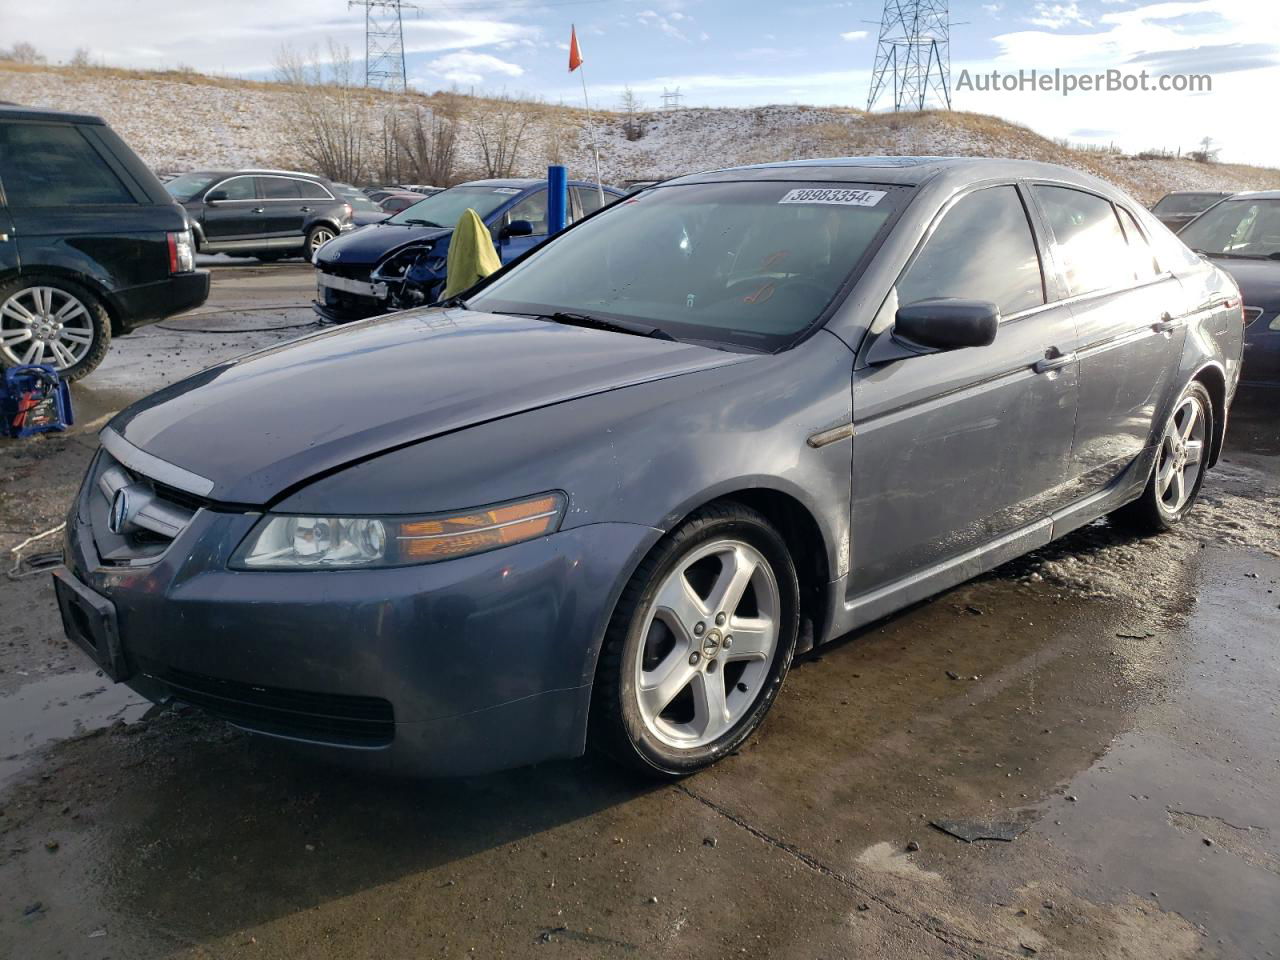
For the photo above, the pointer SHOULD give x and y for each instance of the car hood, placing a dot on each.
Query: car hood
(264, 424)
(371, 244)
(1259, 280)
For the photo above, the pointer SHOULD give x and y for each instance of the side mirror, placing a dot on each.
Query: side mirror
(517, 228)
(947, 324)
(215, 196)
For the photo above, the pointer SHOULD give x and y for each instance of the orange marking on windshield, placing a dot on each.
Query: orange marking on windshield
(761, 295)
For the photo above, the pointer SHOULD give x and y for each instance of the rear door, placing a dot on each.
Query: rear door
(238, 217)
(8, 243)
(282, 203)
(1131, 325)
(961, 454)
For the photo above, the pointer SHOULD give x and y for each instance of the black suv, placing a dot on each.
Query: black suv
(91, 245)
(266, 214)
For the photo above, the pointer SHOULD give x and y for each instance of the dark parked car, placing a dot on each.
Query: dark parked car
(395, 202)
(91, 246)
(612, 491)
(1176, 210)
(363, 210)
(268, 214)
(400, 262)
(1242, 236)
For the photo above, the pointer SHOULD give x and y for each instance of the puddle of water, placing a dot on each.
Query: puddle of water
(56, 707)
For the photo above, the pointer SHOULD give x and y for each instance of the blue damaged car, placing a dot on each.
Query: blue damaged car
(399, 262)
(610, 491)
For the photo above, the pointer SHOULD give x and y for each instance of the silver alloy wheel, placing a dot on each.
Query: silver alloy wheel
(319, 237)
(706, 653)
(45, 325)
(1181, 456)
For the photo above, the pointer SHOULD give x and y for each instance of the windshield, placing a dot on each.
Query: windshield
(189, 185)
(444, 208)
(752, 264)
(1237, 228)
(359, 201)
(1178, 203)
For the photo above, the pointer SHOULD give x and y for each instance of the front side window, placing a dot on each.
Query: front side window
(1247, 229)
(237, 188)
(1091, 248)
(54, 165)
(532, 208)
(277, 188)
(589, 199)
(983, 249)
(189, 186)
(750, 263)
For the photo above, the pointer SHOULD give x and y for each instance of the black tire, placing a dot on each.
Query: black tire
(317, 236)
(617, 726)
(99, 323)
(1150, 513)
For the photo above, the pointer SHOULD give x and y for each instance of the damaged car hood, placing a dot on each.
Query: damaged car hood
(372, 244)
(263, 424)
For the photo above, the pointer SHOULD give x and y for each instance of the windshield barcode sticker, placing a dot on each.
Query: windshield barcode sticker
(856, 198)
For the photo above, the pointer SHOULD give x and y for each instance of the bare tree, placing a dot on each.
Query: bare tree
(501, 127)
(428, 140)
(81, 58)
(559, 135)
(22, 52)
(1207, 153)
(632, 114)
(330, 110)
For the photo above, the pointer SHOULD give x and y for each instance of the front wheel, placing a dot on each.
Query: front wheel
(1181, 460)
(699, 644)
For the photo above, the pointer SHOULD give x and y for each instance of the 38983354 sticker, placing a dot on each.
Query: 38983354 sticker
(834, 195)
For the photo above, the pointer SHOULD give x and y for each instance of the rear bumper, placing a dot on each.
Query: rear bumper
(137, 306)
(461, 667)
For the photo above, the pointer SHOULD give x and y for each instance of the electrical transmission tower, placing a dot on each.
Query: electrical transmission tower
(671, 98)
(383, 43)
(914, 54)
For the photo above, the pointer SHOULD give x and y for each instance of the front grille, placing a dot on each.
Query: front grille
(158, 513)
(323, 717)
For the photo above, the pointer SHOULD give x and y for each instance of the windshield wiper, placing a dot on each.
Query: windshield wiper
(600, 323)
(420, 223)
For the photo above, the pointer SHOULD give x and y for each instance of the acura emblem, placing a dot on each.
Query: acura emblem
(118, 518)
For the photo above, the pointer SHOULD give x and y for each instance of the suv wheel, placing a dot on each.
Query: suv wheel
(54, 322)
(317, 237)
(699, 644)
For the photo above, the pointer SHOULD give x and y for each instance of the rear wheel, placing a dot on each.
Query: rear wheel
(317, 237)
(55, 322)
(699, 644)
(1179, 470)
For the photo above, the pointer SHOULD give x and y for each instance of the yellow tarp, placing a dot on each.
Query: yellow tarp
(471, 255)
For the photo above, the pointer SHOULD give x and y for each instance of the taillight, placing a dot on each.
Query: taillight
(347, 211)
(182, 258)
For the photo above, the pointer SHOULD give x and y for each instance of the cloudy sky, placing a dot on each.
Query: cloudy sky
(740, 52)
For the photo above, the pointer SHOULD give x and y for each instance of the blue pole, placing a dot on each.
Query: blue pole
(557, 198)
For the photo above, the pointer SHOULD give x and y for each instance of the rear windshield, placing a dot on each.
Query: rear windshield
(1186, 202)
(189, 185)
(750, 264)
(444, 208)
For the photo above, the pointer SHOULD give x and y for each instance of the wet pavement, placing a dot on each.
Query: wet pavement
(1119, 699)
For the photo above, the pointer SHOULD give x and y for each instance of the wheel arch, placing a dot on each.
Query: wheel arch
(1212, 377)
(32, 274)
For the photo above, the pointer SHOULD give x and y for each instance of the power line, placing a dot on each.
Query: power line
(384, 42)
(914, 51)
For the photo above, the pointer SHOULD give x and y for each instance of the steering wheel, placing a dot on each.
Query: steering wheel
(763, 280)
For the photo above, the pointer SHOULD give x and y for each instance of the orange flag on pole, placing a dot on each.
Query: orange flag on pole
(575, 52)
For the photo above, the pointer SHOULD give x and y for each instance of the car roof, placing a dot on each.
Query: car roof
(14, 111)
(1198, 193)
(254, 171)
(525, 183)
(1256, 195)
(903, 171)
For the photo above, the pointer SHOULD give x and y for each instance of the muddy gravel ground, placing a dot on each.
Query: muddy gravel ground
(1113, 704)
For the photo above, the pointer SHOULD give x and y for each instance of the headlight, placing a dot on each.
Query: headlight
(300, 543)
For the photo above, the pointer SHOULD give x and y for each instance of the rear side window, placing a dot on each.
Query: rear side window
(53, 165)
(278, 188)
(589, 198)
(982, 250)
(1091, 249)
(1144, 261)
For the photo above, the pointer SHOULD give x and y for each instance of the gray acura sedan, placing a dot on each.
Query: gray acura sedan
(607, 494)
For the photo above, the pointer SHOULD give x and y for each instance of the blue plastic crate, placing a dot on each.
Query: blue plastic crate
(35, 400)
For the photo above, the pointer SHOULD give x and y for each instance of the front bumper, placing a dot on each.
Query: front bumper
(341, 299)
(461, 667)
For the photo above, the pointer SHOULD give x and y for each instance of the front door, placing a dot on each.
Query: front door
(1130, 325)
(284, 206)
(960, 456)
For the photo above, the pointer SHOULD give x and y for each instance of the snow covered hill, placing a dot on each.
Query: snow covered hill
(181, 121)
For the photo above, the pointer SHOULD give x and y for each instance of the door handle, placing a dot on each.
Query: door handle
(305, 209)
(1054, 359)
(1165, 324)
(258, 210)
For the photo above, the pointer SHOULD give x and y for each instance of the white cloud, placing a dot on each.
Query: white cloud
(466, 68)
(992, 8)
(854, 35)
(1054, 15)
